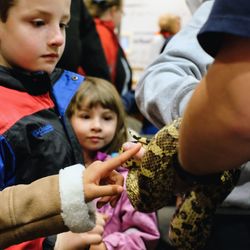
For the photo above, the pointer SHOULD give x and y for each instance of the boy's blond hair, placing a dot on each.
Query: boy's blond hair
(5, 6)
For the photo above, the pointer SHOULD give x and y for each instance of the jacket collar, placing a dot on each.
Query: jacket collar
(107, 23)
(34, 83)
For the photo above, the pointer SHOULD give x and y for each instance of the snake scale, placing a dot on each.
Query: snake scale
(152, 183)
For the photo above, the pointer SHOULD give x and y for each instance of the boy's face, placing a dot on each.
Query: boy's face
(33, 37)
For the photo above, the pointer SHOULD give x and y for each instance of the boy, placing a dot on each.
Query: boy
(35, 136)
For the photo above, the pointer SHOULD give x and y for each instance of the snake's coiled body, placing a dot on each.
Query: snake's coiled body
(151, 184)
(192, 221)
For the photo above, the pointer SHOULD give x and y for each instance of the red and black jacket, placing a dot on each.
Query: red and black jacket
(36, 139)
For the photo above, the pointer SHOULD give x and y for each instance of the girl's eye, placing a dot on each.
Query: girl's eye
(108, 118)
(84, 116)
(38, 23)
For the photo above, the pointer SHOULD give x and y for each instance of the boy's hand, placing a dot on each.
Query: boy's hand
(100, 179)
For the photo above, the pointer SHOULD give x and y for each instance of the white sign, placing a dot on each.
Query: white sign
(140, 23)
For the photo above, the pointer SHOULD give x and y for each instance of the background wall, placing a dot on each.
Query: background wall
(140, 23)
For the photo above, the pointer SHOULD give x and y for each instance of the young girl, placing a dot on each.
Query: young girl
(98, 119)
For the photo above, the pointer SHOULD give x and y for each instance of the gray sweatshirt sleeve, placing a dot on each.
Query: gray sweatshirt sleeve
(167, 84)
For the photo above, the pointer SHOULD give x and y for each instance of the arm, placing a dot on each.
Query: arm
(217, 120)
(26, 209)
(41, 208)
(58, 203)
(166, 86)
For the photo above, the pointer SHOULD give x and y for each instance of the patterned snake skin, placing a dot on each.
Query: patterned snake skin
(152, 183)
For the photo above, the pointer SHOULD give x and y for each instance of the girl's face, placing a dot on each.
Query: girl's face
(95, 127)
(33, 37)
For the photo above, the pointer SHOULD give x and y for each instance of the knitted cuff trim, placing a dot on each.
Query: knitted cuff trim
(77, 215)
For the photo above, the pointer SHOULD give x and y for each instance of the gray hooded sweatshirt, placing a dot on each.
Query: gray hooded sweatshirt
(167, 84)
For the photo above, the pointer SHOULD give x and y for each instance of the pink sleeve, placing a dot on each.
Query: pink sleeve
(130, 229)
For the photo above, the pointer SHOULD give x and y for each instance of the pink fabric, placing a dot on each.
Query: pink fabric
(127, 228)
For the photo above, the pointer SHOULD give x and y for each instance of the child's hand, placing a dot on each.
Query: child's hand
(138, 156)
(100, 246)
(78, 241)
(95, 235)
(100, 179)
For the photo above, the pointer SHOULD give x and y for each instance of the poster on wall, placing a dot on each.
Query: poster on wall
(140, 24)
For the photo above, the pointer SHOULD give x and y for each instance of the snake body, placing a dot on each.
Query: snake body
(152, 183)
(154, 176)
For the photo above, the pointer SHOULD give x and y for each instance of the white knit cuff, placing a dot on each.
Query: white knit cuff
(77, 215)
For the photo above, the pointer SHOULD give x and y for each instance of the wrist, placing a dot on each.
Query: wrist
(193, 179)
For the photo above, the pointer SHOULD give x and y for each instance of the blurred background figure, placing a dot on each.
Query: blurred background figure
(83, 51)
(107, 16)
(169, 25)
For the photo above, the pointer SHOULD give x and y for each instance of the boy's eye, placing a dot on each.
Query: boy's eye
(64, 25)
(38, 23)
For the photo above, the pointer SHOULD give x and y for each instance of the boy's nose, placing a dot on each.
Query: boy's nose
(57, 37)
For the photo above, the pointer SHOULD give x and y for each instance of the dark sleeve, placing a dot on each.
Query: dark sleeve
(83, 47)
(71, 56)
(49, 242)
(226, 17)
(93, 60)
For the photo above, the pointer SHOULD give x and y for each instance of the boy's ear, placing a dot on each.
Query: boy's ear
(1, 27)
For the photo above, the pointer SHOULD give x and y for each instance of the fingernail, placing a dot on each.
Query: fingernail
(127, 145)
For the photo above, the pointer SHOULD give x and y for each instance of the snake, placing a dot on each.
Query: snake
(152, 183)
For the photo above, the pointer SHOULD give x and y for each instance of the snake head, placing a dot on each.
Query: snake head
(135, 138)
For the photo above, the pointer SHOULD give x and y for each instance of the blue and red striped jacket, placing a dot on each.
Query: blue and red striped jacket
(36, 139)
